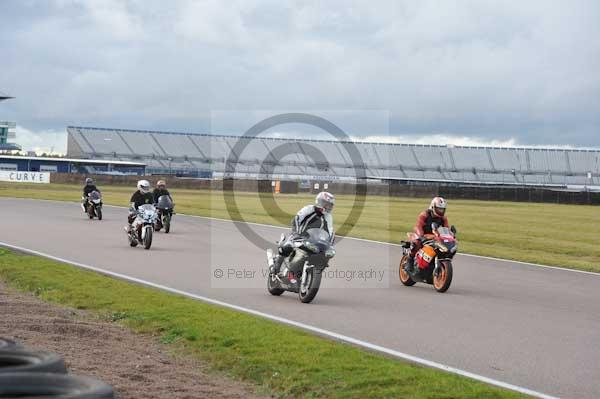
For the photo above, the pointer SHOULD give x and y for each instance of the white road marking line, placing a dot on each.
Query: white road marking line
(306, 327)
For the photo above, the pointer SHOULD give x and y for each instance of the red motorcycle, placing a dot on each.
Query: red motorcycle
(433, 260)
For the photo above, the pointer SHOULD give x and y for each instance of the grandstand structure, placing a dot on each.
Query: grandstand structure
(205, 155)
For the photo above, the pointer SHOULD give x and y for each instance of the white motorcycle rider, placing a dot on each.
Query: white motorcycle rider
(142, 216)
(304, 253)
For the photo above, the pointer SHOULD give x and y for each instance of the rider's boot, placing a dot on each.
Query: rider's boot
(277, 262)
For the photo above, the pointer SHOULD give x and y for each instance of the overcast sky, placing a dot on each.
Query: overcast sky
(515, 73)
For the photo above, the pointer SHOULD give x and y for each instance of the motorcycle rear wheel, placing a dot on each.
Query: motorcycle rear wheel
(404, 276)
(442, 282)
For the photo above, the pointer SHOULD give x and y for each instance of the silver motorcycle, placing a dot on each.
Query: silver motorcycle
(301, 272)
(142, 227)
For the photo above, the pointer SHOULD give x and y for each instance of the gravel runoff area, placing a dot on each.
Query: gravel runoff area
(136, 365)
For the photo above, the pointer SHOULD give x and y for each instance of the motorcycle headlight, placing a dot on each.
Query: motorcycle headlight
(330, 253)
(311, 247)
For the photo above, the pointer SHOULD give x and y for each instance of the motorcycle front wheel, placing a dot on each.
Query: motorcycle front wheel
(148, 237)
(442, 281)
(167, 223)
(404, 276)
(273, 285)
(309, 286)
(99, 213)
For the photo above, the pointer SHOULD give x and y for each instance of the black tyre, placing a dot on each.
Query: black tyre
(442, 282)
(99, 213)
(148, 238)
(313, 282)
(8, 344)
(167, 223)
(404, 276)
(21, 360)
(273, 285)
(51, 385)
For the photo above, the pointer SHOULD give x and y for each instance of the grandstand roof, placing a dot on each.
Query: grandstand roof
(330, 159)
(74, 160)
(232, 136)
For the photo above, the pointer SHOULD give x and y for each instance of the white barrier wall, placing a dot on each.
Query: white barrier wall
(24, 177)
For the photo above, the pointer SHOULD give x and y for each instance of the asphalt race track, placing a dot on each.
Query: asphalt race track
(530, 326)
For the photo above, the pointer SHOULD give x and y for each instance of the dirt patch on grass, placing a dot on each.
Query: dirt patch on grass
(136, 365)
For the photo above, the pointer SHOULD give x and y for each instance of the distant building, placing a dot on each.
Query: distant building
(70, 165)
(7, 131)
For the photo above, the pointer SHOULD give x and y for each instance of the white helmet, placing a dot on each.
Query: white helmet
(438, 206)
(324, 202)
(143, 186)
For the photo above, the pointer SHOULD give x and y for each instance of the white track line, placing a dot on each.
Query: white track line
(307, 327)
(564, 269)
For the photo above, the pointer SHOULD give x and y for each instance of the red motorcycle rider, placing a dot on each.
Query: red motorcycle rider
(434, 214)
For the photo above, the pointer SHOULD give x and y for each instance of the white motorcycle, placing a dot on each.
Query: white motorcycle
(142, 227)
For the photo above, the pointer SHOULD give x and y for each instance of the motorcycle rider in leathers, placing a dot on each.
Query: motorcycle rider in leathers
(87, 189)
(434, 214)
(310, 216)
(160, 190)
(141, 197)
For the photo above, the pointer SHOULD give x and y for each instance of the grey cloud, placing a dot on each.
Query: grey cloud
(483, 69)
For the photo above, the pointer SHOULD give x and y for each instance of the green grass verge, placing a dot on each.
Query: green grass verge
(551, 234)
(280, 360)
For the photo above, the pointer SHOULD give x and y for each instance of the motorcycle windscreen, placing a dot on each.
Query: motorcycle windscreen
(425, 256)
(164, 202)
(95, 195)
(147, 210)
(315, 234)
(445, 233)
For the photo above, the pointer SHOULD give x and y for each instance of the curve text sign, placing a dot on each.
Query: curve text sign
(24, 177)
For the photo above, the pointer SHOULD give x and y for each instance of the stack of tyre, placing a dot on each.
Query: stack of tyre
(37, 374)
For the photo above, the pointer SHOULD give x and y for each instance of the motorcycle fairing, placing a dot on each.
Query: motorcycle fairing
(425, 256)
